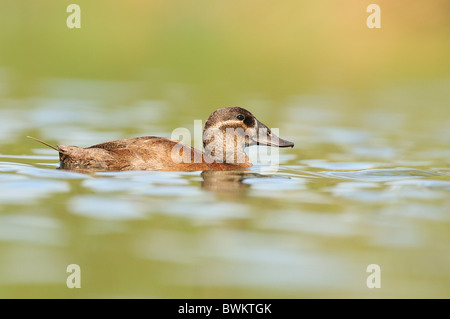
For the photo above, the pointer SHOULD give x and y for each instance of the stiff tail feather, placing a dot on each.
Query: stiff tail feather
(46, 144)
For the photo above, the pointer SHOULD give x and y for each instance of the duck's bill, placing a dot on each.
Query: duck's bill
(274, 140)
(271, 140)
(266, 137)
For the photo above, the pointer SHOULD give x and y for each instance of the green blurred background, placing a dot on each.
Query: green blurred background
(312, 68)
(227, 51)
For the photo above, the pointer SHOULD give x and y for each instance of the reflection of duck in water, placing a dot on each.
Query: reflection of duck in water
(233, 181)
(223, 151)
(228, 181)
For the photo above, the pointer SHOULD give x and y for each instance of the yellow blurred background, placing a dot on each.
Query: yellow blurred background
(228, 47)
(345, 94)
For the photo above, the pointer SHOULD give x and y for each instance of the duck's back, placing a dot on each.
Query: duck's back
(140, 153)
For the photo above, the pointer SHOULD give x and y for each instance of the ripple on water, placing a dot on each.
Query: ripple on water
(368, 192)
(341, 165)
(343, 135)
(28, 170)
(324, 224)
(31, 229)
(23, 191)
(175, 191)
(276, 183)
(99, 207)
(30, 157)
(247, 259)
(423, 183)
(150, 176)
(11, 167)
(112, 185)
(145, 183)
(142, 187)
(382, 153)
(201, 210)
(414, 189)
(380, 175)
(417, 210)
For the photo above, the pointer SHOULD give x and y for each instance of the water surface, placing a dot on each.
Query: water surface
(370, 188)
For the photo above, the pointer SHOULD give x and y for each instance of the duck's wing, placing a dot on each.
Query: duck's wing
(126, 143)
(148, 153)
(140, 153)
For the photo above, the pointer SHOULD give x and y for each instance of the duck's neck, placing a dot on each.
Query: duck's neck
(226, 150)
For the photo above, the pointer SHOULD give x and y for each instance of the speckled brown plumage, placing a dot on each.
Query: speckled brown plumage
(162, 154)
(140, 153)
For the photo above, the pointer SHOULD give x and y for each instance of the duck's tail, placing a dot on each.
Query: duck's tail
(46, 144)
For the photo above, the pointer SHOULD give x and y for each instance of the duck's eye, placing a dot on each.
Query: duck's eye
(268, 132)
(240, 117)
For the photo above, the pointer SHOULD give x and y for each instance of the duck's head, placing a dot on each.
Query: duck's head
(231, 129)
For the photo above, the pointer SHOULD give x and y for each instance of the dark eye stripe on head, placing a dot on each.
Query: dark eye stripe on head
(230, 114)
(249, 121)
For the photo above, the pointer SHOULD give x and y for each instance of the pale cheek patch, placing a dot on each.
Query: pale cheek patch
(228, 123)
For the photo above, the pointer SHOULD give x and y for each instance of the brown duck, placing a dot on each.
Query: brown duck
(226, 133)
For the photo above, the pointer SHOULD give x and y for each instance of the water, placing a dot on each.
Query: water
(362, 186)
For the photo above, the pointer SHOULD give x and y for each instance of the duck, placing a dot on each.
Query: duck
(227, 132)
